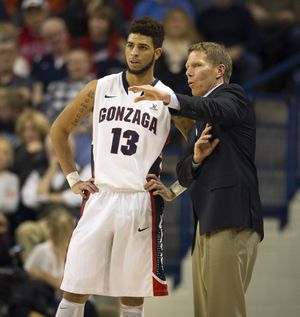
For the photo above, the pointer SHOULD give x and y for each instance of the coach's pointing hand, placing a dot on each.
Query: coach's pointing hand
(150, 93)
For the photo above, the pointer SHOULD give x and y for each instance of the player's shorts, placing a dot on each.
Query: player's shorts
(116, 247)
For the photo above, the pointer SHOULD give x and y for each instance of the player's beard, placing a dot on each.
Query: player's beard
(142, 70)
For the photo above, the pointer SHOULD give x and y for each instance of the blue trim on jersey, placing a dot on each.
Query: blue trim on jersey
(159, 208)
(155, 81)
(124, 81)
(92, 161)
(155, 168)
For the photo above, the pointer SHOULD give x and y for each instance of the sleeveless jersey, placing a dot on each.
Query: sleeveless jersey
(128, 137)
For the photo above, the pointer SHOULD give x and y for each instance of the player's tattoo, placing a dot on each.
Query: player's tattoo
(91, 94)
(83, 107)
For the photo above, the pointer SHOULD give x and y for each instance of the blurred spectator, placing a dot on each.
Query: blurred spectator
(127, 7)
(76, 18)
(34, 13)
(279, 26)
(8, 30)
(57, 7)
(12, 103)
(202, 5)
(44, 192)
(11, 7)
(3, 11)
(77, 12)
(21, 66)
(51, 66)
(31, 128)
(158, 8)
(43, 272)
(9, 197)
(46, 261)
(8, 57)
(180, 33)
(60, 93)
(103, 42)
(5, 240)
(9, 188)
(232, 25)
(92, 5)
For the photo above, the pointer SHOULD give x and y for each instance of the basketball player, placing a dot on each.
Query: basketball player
(116, 248)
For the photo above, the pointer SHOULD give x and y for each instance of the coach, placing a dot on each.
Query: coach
(223, 186)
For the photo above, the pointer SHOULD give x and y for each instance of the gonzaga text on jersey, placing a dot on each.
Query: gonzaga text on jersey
(129, 115)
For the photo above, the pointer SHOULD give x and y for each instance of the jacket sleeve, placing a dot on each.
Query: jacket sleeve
(184, 170)
(227, 106)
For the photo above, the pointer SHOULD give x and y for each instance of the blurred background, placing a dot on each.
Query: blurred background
(50, 49)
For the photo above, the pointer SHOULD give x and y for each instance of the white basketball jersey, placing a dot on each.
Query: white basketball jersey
(128, 137)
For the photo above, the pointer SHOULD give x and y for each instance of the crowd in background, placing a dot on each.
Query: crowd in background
(49, 50)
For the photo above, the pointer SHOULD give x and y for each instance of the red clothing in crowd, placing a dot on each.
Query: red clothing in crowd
(30, 45)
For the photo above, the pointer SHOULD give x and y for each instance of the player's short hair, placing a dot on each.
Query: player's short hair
(216, 54)
(148, 27)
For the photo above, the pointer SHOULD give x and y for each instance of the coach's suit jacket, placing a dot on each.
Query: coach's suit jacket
(224, 189)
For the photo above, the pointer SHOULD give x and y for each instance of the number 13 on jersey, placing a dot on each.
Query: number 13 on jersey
(130, 136)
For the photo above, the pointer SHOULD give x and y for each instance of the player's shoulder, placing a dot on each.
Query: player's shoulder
(110, 78)
(109, 84)
(91, 84)
(112, 81)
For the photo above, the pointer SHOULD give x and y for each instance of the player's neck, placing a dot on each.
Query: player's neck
(140, 79)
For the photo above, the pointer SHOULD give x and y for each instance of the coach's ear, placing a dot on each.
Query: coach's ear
(157, 53)
(220, 71)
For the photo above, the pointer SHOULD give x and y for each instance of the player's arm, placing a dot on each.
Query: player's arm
(183, 124)
(61, 129)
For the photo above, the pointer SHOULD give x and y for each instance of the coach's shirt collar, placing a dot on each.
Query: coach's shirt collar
(210, 91)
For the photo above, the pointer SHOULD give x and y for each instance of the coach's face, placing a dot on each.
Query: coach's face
(202, 76)
(140, 53)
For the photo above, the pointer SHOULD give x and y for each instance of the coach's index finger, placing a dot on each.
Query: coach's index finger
(149, 92)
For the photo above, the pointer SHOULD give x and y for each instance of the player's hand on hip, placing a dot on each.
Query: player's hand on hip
(150, 93)
(157, 187)
(204, 145)
(83, 187)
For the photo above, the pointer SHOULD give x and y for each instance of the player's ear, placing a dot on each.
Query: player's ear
(157, 53)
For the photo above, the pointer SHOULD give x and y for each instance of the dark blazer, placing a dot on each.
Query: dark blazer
(224, 189)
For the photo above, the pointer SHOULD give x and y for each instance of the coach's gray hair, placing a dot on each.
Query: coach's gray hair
(216, 54)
